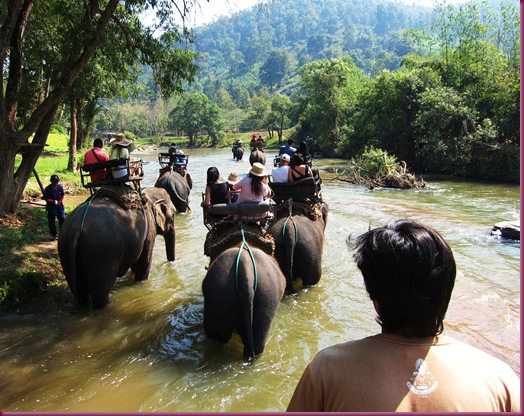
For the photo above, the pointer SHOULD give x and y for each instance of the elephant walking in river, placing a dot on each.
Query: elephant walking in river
(238, 153)
(113, 231)
(242, 290)
(178, 185)
(299, 241)
(257, 155)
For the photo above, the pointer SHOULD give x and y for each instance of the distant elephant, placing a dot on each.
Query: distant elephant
(238, 153)
(299, 241)
(242, 296)
(110, 233)
(257, 155)
(177, 185)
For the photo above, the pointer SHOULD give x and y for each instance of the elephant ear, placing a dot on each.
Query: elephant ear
(189, 180)
(159, 208)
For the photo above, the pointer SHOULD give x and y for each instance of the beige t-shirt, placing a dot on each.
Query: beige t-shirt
(386, 373)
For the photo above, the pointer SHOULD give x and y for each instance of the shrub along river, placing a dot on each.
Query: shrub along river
(147, 351)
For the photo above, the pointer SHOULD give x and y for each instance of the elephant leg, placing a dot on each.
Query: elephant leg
(217, 326)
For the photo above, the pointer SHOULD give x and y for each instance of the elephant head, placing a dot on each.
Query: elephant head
(178, 187)
(242, 290)
(299, 242)
(110, 233)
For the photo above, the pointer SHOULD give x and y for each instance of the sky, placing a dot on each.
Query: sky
(213, 9)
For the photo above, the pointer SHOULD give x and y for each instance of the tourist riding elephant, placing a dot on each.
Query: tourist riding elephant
(299, 240)
(257, 155)
(238, 153)
(108, 234)
(242, 290)
(177, 185)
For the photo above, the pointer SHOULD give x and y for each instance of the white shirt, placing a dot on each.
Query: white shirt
(280, 174)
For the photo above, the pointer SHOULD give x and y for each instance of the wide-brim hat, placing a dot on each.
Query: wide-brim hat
(232, 178)
(258, 169)
(120, 140)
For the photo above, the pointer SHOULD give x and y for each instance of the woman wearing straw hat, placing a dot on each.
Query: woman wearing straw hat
(119, 151)
(253, 187)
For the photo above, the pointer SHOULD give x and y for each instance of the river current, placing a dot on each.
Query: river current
(147, 351)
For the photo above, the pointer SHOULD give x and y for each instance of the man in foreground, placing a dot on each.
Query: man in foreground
(409, 273)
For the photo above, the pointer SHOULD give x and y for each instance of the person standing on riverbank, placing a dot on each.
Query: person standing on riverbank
(54, 197)
(409, 273)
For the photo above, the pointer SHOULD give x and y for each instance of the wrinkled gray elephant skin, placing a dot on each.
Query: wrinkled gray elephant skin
(237, 301)
(178, 187)
(100, 241)
(257, 156)
(299, 242)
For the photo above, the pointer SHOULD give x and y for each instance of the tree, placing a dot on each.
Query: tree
(37, 76)
(275, 68)
(280, 106)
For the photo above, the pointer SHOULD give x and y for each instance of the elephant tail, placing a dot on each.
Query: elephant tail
(246, 288)
(290, 238)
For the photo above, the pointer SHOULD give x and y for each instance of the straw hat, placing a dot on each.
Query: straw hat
(120, 140)
(232, 178)
(258, 169)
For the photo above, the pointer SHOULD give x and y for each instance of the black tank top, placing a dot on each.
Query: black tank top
(300, 175)
(219, 193)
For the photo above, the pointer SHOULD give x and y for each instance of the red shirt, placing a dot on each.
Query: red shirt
(96, 155)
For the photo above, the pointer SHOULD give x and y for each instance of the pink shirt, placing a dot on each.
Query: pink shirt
(246, 194)
(101, 156)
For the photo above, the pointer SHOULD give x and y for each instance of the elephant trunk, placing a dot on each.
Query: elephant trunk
(169, 239)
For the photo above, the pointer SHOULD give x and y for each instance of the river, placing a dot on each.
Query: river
(147, 351)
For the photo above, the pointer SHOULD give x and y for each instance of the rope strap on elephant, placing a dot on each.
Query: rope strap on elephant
(220, 239)
(245, 246)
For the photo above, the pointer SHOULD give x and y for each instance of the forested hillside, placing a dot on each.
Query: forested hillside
(266, 45)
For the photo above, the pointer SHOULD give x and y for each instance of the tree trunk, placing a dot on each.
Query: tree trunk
(71, 165)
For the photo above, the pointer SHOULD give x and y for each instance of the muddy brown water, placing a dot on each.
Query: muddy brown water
(147, 350)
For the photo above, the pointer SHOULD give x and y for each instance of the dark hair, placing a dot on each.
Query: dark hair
(297, 159)
(409, 270)
(290, 141)
(256, 184)
(302, 148)
(212, 175)
(55, 178)
(98, 143)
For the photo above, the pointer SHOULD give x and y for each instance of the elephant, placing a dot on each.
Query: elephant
(238, 153)
(114, 230)
(242, 290)
(299, 238)
(178, 186)
(257, 155)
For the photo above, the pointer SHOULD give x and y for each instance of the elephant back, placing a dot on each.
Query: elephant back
(219, 240)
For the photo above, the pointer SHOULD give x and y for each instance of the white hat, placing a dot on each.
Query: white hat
(285, 157)
(258, 169)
